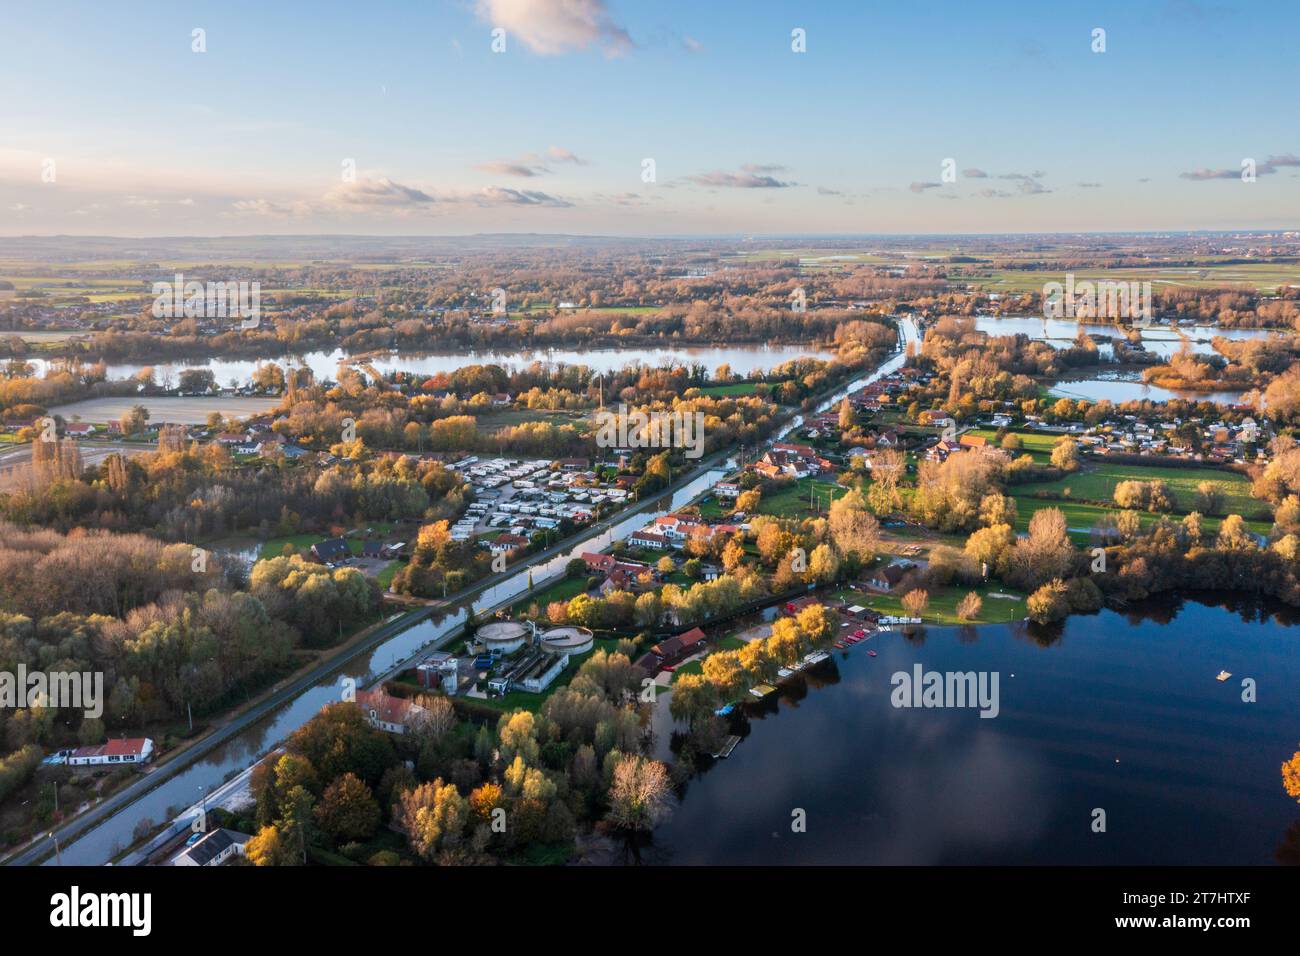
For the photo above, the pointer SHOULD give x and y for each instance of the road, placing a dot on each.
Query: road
(44, 846)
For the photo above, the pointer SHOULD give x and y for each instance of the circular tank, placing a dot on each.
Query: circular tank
(568, 640)
(503, 636)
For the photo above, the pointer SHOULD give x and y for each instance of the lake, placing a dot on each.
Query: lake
(1125, 387)
(743, 359)
(1120, 712)
(1159, 339)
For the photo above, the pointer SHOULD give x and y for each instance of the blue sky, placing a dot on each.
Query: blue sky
(142, 136)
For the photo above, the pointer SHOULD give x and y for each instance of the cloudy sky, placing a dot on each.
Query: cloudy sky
(621, 118)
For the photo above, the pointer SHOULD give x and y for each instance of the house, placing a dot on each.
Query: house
(124, 750)
(648, 539)
(888, 577)
(231, 438)
(214, 849)
(727, 489)
(798, 604)
(505, 543)
(602, 563)
(677, 648)
(372, 549)
(331, 551)
(78, 429)
(969, 440)
(393, 715)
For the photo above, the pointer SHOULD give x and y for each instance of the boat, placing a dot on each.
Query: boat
(840, 645)
(871, 653)
(725, 709)
(762, 690)
(1223, 675)
(816, 657)
(784, 672)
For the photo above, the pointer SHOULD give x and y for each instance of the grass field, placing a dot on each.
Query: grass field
(1036, 444)
(1080, 517)
(561, 590)
(740, 388)
(942, 608)
(793, 502)
(1096, 481)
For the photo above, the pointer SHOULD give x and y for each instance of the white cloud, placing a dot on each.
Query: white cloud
(553, 27)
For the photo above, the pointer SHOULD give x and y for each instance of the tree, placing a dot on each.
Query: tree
(639, 794)
(1049, 602)
(847, 418)
(748, 501)
(854, 530)
(1045, 554)
(433, 815)
(823, 564)
(438, 719)
(1209, 498)
(1291, 776)
(267, 847)
(969, 607)
(348, 810)
(1234, 535)
(692, 697)
(916, 601)
(1065, 455)
(815, 623)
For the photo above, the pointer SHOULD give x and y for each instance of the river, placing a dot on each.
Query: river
(1112, 712)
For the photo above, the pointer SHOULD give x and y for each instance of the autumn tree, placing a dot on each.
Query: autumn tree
(969, 607)
(639, 794)
(348, 810)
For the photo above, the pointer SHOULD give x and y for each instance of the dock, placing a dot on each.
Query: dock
(727, 747)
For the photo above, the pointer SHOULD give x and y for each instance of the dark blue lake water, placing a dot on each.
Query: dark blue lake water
(1120, 712)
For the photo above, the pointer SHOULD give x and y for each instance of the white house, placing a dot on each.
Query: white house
(125, 750)
(214, 849)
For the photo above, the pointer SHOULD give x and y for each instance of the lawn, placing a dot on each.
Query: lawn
(1037, 444)
(793, 501)
(943, 605)
(1080, 517)
(1096, 481)
(740, 388)
(561, 590)
(385, 577)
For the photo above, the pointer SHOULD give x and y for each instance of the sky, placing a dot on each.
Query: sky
(609, 117)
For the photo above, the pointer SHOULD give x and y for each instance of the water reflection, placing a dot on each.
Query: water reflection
(1119, 711)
